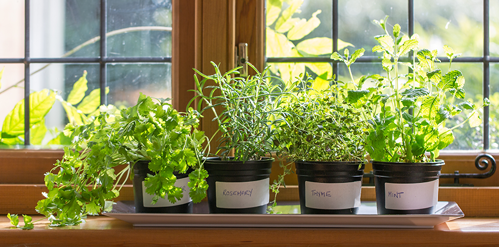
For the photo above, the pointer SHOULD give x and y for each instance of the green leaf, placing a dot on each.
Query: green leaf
(475, 119)
(446, 138)
(316, 46)
(28, 225)
(273, 11)
(342, 44)
(290, 23)
(38, 132)
(396, 30)
(486, 102)
(356, 95)
(450, 80)
(75, 116)
(415, 92)
(358, 53)
(442, 115)
(425, 59)
(290, 11)
(466, 105)
(321, 69)
(386, 42)
(79, 89)
(40, 104)
(14, 219)
(407, 46)
(320, 84)
(91, 102)
(300, 30)
(92, 208)
(336, 56)
(278, 45)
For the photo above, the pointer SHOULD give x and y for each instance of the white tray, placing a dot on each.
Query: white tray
(366, 218)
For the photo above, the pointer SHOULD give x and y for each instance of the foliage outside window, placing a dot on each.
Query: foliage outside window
(302, 33)
(68, 33)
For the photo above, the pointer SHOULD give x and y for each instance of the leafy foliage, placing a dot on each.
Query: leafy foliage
(246, 109)
(411, 118)
(41, 102)
(28, 221)
(325, 125)
(288, 36)
(86, 181)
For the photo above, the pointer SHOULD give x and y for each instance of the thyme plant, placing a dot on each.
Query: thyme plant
(324, 124)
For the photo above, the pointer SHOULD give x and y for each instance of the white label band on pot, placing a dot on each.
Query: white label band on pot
(163, 202)
(332, 195)
(411, 196)
(242, 194)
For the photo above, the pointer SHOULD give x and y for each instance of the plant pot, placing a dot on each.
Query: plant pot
(238, 187)
(329, 187)
(406, 188)
(143, 201)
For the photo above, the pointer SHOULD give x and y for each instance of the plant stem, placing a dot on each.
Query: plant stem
(92, 41)
(351, 76)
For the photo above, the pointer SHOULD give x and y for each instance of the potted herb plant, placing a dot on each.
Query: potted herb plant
(409, 128)
(324, 133)
(164, 148)
(152, 134)
(245, 110)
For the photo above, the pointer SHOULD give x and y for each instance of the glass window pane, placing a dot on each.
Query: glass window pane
(11, 28)
(67, 106)
(494, 28)
(358, 70)
(10, 96)
(306, 33)
(139, 27)
(456, 23)
(465, 137)
(127, 81)
(57, 27)
(356, 21)
(494, 106)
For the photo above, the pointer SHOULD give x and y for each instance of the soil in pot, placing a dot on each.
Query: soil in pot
(329, 187)
(238, 187)
(406, 188)
(143, 200)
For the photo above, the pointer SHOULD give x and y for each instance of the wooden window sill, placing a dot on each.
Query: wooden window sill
(106, 231)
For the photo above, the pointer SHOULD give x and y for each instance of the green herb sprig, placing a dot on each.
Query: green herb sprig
(410, 120)
(246, 109)
(85, 181)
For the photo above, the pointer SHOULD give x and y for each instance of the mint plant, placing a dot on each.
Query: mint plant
(410, 120)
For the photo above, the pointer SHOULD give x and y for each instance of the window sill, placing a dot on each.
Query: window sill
(473, 201)
(112, 232)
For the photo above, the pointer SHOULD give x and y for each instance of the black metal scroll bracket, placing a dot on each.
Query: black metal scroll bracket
(481, 163)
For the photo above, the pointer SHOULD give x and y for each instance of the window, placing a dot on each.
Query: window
(332, 25)
(125, 47)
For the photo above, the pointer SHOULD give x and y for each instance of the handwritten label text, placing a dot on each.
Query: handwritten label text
(395, 194)
(238, 193)
(321, 193)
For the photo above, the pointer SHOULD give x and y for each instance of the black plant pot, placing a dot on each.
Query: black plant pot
(329, 187)
(406, 188)
(143, 200)
(238, 187)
